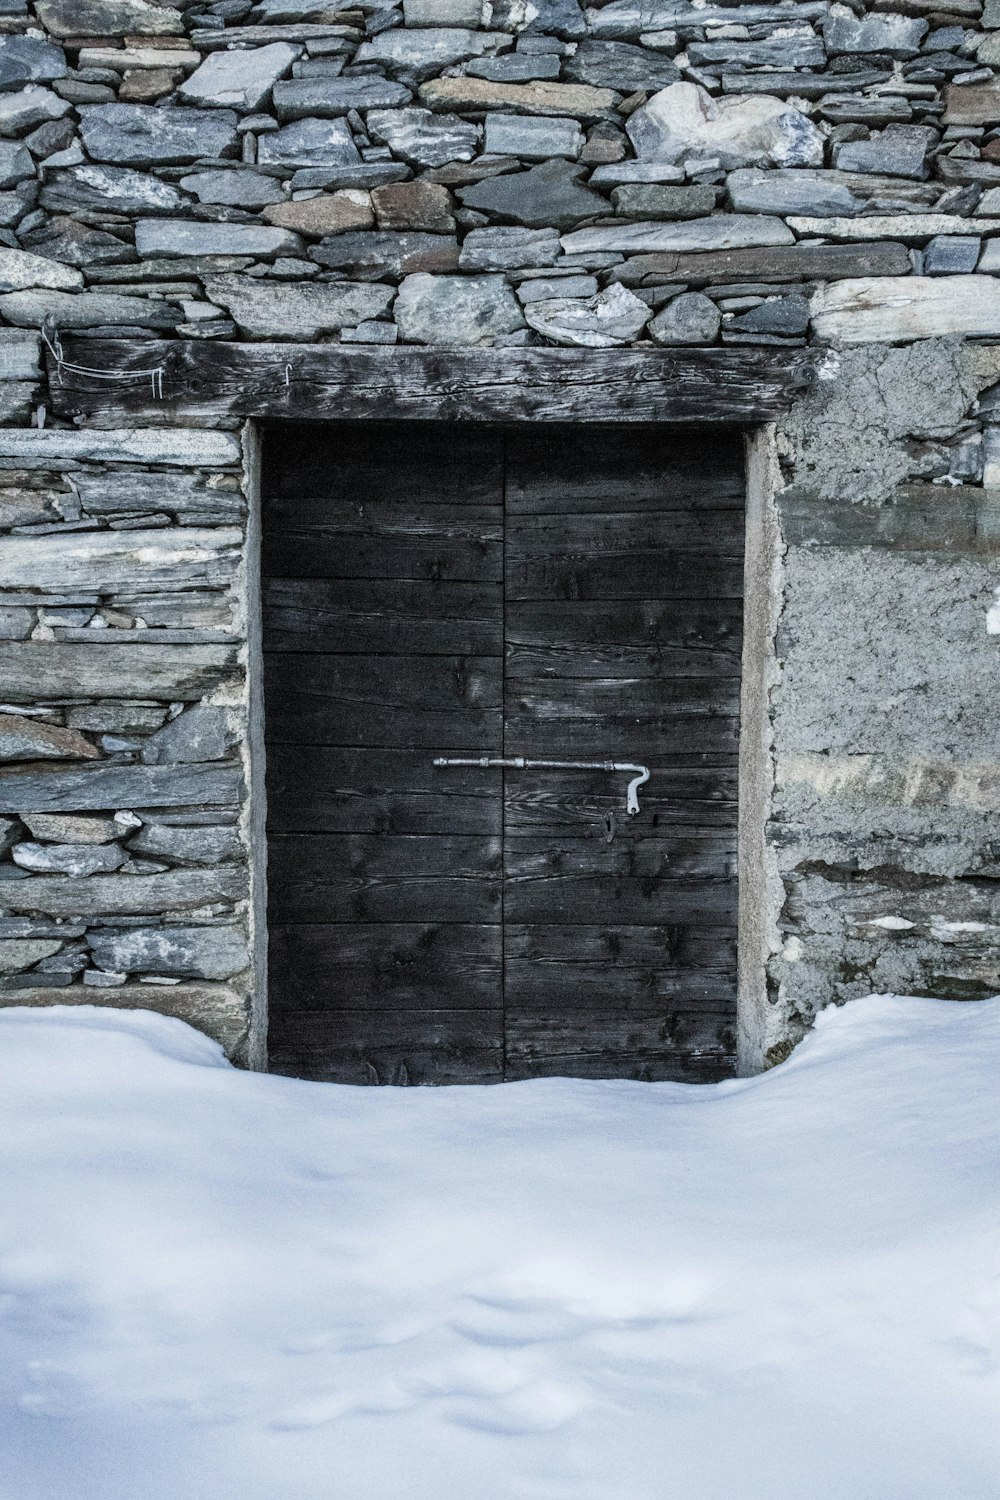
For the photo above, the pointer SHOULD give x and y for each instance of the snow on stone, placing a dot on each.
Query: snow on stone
(220, 1284)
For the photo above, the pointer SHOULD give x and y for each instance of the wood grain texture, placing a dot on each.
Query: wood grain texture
(216, 380)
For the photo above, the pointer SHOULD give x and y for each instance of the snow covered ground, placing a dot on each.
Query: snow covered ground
(219, 1285)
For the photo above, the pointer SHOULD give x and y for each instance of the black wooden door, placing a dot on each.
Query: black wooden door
(548, 593)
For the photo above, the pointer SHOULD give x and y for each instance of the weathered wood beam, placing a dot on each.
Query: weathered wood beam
(206, 381)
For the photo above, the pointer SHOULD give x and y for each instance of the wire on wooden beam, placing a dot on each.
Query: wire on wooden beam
(53, 343)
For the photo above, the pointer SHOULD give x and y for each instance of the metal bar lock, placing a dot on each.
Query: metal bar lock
(640, 774)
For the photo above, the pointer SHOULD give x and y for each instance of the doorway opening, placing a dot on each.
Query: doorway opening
(558, 593)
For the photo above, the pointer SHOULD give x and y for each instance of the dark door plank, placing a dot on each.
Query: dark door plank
(381, 878)
(389, 1047)
(333, 789)
(385, 966)
(679, 624)
(575, 471)
(383, 617)
(432, 701)
(675, 575)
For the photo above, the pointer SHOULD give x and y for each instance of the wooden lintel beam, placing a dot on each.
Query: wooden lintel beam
(205, 380)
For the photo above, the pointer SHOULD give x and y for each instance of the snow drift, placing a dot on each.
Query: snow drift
(216, 1284)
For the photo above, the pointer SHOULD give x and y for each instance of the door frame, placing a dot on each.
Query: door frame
(178, 381)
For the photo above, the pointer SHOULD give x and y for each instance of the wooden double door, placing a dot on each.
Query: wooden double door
(446, 591)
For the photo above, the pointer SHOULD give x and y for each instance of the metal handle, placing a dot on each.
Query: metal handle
(520, 763)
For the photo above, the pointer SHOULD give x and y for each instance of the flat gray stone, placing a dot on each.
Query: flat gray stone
(443, 12)
(196, 846)
(15, 163)
(64, 18)
(362, 174)
(896, 35)
(282, 310)
(532, 137)
(52, 448)
(144, 135)
(613, 174)
(199, 734)
(613, 317)
(71, 669)
(784, 317)
(120, 190)
(68, 859)
(802, 51)
(796, 191)
(125, 895)
(20, 270)
(739, 130)
(621, 66)
(509, 249)
(547, 288)
(653, 201)
(99, 786)
(18, 954)
(188, 952)
(27, 59)
(308, 143)
(75, 828)
(691, 318)
(30, 739)
(86, 310)
(424, 138)
(718, 232)
(240, 80)
(549, 194)
(898, 151)
(242, 188)
(375, 253)
(324, 98)
(418, 55)
(108, 561)
(29, 107)
(952, 255)
(514, 67)
(456, 309)
(630, 18)
(178, 237)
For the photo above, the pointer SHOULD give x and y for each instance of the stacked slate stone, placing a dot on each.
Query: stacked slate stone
(461, 172)
(451, 172)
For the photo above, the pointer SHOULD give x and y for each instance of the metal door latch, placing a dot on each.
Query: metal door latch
(640, 774)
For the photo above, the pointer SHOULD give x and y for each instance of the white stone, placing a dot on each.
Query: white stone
(718, 232)
(68, 859)
(110, 561)
(47, 448)
(892, 226)
(614, 317)
(19, 271)
(894, 309)
(239, 80)
(753, 130)
(456, 309)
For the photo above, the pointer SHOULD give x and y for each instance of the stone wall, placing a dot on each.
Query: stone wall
(523, 173)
